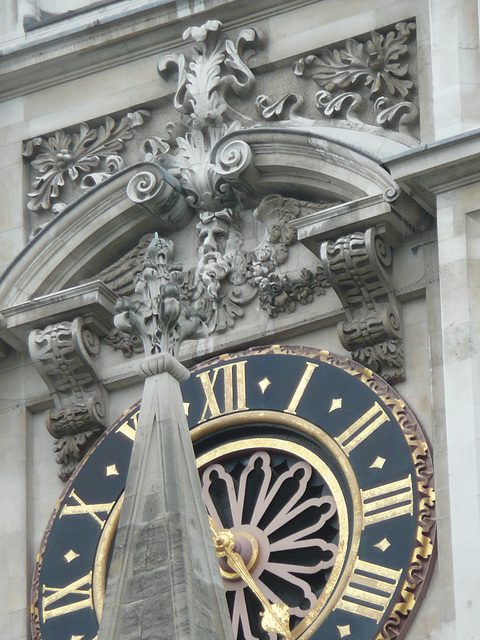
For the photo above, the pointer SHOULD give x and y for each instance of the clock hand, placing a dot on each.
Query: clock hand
(276, 616)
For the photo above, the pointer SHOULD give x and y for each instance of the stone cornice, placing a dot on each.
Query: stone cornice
(437, 167)
(32, 62)
(400, 219)
(93, 300)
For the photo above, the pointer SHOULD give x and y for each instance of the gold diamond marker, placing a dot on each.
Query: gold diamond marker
(344, 631)
(186, 407)
(336, 404)
(377, 463)
(382, 545)
(263, 384)
(71, 555)
(111, 470)
(77, 637)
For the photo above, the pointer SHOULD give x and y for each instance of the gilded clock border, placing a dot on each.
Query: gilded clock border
(423, 557)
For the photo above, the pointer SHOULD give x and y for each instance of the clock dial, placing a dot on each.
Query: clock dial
(318, 482)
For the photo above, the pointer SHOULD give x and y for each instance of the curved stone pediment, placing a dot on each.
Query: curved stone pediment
(273, 160)
(94, 229)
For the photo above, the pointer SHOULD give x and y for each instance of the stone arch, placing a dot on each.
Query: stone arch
(142, 198)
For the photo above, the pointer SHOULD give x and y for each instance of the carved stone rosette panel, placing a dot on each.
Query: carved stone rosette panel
(62, 353)
(356, 268)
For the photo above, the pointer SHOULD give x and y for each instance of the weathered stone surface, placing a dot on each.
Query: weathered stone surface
(164, 580)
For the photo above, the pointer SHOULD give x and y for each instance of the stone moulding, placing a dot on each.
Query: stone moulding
(400, 218)
(356, 266)
(101, 218)
(63, 354)
(284, 158)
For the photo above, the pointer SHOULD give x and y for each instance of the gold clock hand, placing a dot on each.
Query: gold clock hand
(276, 616)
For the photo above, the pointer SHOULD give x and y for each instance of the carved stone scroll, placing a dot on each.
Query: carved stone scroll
(63, 355)
(356, 268)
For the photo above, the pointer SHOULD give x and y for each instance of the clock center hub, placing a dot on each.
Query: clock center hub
(246, 545)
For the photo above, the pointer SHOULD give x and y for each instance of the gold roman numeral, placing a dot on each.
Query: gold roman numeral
(92, 509)
(369, 590)
(300, 390)
(129, 428)
(388, 501)
(362, 428)
(81, 588)
(234, 389)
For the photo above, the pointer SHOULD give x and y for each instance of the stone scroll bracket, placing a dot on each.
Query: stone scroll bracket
(356, 266)
(64, 355)
(61, 332)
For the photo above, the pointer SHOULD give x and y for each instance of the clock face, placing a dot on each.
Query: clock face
(314, 463)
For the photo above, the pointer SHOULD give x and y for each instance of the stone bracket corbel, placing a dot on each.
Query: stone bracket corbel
(356, 266)
(64, 355)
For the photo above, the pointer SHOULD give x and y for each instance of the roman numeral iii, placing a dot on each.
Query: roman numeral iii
(81, 588)
(369, 590)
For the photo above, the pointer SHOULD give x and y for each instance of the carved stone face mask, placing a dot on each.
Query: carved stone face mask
(213, 237)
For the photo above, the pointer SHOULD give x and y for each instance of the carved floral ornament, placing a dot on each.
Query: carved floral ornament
(205, 159)
(206, 162)
(376, 70)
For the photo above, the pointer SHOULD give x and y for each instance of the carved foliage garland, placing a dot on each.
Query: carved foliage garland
(376, 70)
(63, 354)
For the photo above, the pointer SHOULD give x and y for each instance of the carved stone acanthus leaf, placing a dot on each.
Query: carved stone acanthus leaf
(356, 268)
(376, 68)
(214, 66)
(63, 354)
(156, 312)
(66, 156)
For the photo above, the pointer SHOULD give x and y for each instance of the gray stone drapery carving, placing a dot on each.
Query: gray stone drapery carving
(63, 354)
(356, 268)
